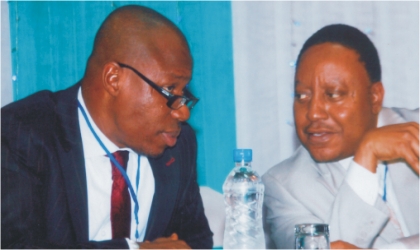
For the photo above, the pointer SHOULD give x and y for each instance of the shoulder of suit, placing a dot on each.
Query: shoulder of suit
(186, 146)
(29, 125)
(410, 115)
(187, 133)
(389, 116)
(185, 127)
(34, 109)
(292, 167)
(38, 116)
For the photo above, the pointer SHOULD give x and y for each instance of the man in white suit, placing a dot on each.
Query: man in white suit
(358, 167)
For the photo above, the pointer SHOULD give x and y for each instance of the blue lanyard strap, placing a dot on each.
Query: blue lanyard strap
(117, 164)
(385, 173)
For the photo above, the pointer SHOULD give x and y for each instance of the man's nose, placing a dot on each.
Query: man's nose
(316, 109)
(182, 114)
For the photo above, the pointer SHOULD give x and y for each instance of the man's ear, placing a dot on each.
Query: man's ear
(377, 93)
(111, 78)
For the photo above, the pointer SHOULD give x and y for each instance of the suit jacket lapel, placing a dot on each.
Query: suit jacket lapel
(406, 187)
(72, 162)
(166, 171)
(404, 181)
(331, 175)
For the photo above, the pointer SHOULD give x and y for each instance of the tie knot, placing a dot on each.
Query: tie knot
(122, 158)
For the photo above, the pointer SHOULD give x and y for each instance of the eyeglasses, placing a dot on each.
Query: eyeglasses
(174, 101)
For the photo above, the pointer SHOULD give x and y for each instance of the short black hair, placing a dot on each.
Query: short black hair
(351, 38)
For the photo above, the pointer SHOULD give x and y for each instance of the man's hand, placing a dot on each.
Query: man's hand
(342, 245)
(171, 242)
(393, 142)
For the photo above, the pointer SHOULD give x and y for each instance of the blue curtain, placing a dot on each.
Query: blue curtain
(51, 42)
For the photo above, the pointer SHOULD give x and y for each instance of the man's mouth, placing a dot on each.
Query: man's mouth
(170, 138)
(319, 137)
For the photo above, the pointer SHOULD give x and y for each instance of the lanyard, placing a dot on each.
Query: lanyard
(117, 164)
(385, 174)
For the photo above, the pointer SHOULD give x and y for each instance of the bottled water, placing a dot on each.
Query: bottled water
(243, 191)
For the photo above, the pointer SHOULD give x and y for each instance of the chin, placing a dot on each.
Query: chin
(323, 155)
(150, 152)
(154, 153)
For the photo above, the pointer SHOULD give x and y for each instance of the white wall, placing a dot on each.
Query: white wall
(6, 66)
(267, 37)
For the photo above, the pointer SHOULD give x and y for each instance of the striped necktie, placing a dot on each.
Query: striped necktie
(120, 199)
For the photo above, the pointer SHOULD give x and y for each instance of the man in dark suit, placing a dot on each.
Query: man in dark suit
(64, 153)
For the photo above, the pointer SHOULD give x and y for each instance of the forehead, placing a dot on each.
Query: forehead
(330, 60)
(165, 51)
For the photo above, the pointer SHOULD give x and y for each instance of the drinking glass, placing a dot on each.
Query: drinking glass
(312, 236)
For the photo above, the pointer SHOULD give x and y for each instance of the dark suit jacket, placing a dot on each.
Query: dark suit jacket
(43, 180)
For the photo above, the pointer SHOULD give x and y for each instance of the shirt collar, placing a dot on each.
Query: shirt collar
(91, 147)
(345, 163)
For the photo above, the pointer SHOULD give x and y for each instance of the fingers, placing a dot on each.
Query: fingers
(388, 143)
(162, 239)
(413, 129)
(174, 236)
(413, 159)
(412, 153)
(416, 149)
(412, 156)
(171, 242)
(339, 244)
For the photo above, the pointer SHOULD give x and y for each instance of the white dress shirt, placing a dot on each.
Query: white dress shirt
(99, 183)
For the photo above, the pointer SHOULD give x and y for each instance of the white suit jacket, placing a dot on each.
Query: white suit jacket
(299, 190)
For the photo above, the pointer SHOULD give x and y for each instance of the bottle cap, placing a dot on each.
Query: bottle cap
(242, 154)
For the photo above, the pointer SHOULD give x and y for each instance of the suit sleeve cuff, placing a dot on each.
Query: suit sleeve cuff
(132, 244)
(363, 182)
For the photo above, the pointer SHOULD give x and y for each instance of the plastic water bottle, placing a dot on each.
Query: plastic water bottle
(243, 191)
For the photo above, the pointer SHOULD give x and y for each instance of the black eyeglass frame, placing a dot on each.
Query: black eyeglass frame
(187, 99)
